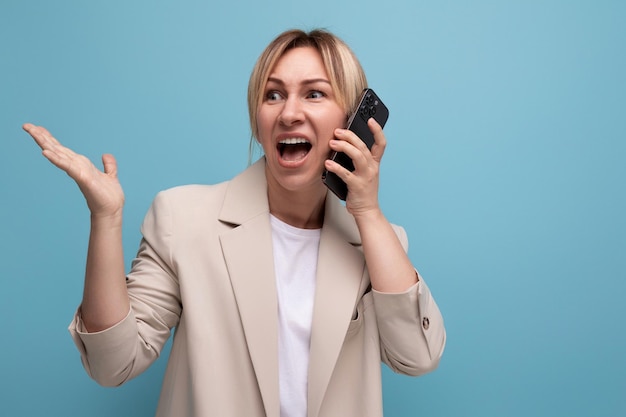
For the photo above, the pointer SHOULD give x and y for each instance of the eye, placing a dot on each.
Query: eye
(315, 94)
(273, 95)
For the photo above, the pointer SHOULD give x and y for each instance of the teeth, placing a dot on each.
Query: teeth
(293, 141)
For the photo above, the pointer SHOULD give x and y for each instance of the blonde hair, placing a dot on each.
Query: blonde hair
(347, 78)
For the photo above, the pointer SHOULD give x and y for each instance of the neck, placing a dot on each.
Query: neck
(302, 209)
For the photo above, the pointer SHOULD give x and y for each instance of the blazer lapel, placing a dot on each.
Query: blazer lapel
(340, 272)
(248, 255)
(247, 249)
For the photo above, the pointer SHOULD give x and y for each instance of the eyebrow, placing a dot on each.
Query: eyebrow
(309, 81)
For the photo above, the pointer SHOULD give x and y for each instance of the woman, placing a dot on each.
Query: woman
(284, 300)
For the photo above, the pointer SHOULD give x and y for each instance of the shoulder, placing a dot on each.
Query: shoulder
(192, 193)
(242, 187)
(185, 204)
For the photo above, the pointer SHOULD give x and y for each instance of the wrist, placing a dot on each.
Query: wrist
(107, 220)
(368, 216)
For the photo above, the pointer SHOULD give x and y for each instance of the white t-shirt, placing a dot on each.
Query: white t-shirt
(295, 263)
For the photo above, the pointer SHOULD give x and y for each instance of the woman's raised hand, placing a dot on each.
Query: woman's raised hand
(102, 190)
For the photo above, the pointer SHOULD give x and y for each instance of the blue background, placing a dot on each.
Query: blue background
(505, 164)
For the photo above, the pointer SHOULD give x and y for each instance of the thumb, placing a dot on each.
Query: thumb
(110, 165)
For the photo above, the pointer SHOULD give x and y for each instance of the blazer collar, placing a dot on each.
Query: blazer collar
(246, 198)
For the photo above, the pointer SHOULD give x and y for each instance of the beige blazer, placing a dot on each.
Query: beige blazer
(205, 268)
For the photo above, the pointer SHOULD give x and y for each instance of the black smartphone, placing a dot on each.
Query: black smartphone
(369, 105)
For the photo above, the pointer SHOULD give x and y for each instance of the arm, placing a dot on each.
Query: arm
(410, 325)
(115, 342)
(123, 351)
(389, 267)
(105, 298)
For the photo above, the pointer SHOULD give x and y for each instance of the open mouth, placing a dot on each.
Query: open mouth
(293, 149)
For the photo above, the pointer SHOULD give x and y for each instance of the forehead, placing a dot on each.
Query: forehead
(299, 63)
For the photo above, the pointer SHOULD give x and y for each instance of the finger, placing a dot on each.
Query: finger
(58, 154)
(351, 138)
(339, 170)
(45, 140)
(110, 165)
(358, 155)
(351, 143)
(39, 134)
(60, 159)
(380, 141)
(74, 165)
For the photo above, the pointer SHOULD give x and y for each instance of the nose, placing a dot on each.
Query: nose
(292, 112)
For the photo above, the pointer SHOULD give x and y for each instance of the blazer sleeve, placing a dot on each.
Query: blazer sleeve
(410, 325)
(117, 354)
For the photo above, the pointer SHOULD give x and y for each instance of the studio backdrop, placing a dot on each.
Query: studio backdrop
(505, 164)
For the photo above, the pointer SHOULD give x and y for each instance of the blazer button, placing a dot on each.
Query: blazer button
(425, 323)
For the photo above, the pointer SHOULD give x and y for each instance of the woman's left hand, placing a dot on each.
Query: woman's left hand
(363, 181)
